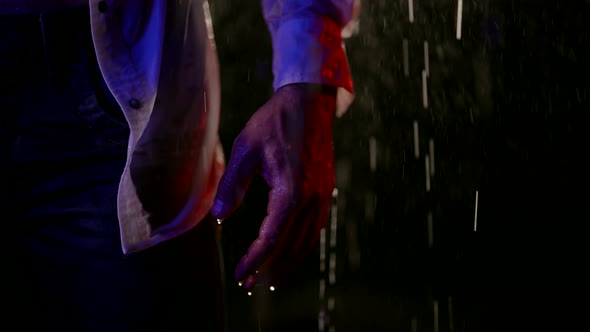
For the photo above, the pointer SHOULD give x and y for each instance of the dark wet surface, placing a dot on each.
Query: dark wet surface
(508, 111)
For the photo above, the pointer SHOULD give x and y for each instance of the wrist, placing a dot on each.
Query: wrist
(309, 89)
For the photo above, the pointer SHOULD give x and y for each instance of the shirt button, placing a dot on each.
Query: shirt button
(102, 6)
(134, 103)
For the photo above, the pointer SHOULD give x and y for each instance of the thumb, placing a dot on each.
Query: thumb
(234, 182)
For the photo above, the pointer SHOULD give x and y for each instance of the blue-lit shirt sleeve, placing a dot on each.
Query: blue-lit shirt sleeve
(307, 40)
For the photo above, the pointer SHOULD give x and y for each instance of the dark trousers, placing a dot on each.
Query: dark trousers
(63, 143)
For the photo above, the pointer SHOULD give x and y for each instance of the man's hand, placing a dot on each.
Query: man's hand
(288, 141)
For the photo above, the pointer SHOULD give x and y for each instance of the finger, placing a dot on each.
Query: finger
(287, 238)
(297, 238)
(287, 266)
(282, 263)
(311, 218)
(236, 179)
(293, 251)
(280, 205)
(322, 214)
(293, 235)
(281, 173)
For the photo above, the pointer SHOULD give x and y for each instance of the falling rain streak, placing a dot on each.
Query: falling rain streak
(435, 310)
(475, 219)
(331, 303)
(424, 89)
(321, 321)
(425, 75)
(427, 164)
(333, 220)
(411, 10)
(332, 272)
(416, 141)
(324, 320)
(323, 250)
(373, 153)
(459, 18)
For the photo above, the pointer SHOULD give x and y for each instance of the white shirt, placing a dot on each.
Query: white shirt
(159, 61)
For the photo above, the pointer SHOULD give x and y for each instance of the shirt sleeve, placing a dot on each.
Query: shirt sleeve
(307, 39)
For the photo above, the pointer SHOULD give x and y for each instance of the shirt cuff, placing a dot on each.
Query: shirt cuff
(311, 50)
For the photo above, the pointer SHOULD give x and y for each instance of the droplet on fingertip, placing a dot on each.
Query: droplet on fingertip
(219, 221)
(335, 193)
(249, 293)
(272, 288)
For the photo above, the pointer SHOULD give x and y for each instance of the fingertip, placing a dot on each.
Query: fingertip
(240, 273)
(218, 209)
(244, 271)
